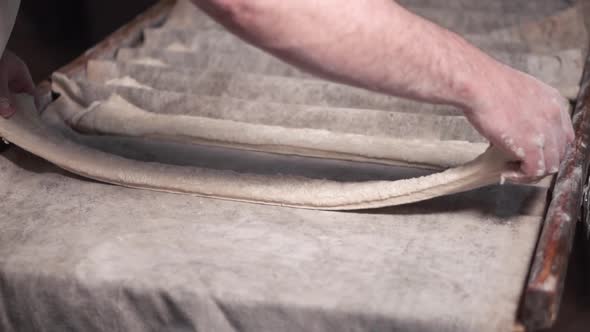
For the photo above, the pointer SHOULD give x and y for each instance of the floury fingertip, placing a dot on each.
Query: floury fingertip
(6, 110)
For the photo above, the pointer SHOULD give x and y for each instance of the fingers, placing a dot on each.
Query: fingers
(19, 77)
(519, 177)
(6, 109)
(14, 78)
(565, 121)
(549, 148)
(541, 157)
(537, 134)
(535, 164)
(566, 125)
(552, 153)
(543, 153)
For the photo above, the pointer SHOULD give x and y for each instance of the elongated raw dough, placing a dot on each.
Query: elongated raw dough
(119, 117)
(27, 130)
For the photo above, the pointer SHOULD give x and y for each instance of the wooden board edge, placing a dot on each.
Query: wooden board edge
(544, 289)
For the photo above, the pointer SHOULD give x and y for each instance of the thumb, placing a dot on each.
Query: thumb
(19, 79)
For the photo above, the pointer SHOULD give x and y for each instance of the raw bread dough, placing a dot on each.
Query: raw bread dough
(119, 117)
(27, 130)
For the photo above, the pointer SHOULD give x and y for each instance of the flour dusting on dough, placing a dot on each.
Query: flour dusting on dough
(128, 82)
(149, 62)
(177, 47)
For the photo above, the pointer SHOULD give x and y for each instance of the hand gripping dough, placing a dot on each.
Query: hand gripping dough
(27, 130)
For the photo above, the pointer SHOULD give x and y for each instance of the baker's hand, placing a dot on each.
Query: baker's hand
(526, 118)
(14, 78)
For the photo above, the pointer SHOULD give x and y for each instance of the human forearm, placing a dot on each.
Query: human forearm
(378, 45)
(372, 43)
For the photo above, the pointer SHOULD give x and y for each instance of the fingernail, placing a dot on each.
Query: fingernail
(540, 172)
(509, 176)
(519, 177)
(6, 110)
(4, 102)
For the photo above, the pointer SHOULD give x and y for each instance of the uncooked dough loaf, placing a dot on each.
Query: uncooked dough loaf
(27, 130)
(116, 116)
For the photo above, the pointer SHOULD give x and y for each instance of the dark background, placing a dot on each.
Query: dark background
(50, 34)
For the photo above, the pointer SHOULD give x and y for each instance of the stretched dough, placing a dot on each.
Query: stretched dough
(116, 116)
(27, 130)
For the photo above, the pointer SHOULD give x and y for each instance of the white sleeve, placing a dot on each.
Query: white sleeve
(8, 12)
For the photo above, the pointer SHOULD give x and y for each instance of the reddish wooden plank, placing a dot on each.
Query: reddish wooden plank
(544, 289)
